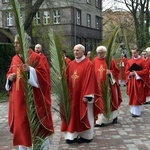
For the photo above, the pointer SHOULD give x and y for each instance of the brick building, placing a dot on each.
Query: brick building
(76, 21)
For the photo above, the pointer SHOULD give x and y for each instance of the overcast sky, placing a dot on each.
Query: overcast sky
(113, 4)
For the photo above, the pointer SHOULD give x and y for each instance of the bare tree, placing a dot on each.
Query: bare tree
(30, 11)
(141, 15)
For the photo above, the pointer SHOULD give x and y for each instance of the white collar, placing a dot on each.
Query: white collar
(137, 57)
(80, 59)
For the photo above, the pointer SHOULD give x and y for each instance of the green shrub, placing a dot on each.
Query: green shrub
(6, 54)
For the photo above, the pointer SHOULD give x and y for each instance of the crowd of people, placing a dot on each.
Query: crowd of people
(87, 81)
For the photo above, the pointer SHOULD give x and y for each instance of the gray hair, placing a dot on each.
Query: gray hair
(81, 47)
(28, 38)
(148, 49)
(101, 49)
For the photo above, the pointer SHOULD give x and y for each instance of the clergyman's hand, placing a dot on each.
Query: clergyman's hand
(12, 77)
(85, 99)
(26, 67)
(132, 74)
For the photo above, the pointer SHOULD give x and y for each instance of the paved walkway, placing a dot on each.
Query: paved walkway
(129, 134)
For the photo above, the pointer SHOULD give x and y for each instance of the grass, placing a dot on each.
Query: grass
(3, 96)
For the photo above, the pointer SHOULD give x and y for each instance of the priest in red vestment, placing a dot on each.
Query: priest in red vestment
(67, 60)
(101, 71)
(147, 59)
(80, 76)
(136, 80)
(17, 116)
(44, 61)
(121, 63)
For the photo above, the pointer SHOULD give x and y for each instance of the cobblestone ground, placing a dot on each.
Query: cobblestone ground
(128, 134)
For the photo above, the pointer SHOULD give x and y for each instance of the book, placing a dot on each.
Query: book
(135, 67)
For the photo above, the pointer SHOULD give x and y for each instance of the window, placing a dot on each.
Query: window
(78, 17)
(88, 1)
(88, 20)
(6, 1)
(97, 3)
(21, 16)
(97, 22)
(9, 19)
(37, 19)
(78, 40)
(46, 17)
(56, 17)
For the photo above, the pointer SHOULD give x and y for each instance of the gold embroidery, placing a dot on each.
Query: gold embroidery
(74, 77)
(101, 69)
(18, 78)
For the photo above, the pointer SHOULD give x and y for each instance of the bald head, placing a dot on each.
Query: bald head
(38, 48)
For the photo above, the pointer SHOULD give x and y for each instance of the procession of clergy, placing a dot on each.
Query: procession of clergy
(87, 94)
(87, 81)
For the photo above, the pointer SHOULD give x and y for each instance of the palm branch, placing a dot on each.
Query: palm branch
(37, 139)
(7, 34)
(127, 43)
(105, 87)
(58, 78)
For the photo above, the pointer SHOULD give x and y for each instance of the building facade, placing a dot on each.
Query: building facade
(76, 21)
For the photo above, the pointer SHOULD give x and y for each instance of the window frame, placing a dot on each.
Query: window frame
(37, 19)
(88, 20)
(88, 1)
(78, 17)
(97, 3)
(6, 1)
(46, 18)
(97, 22)
(56, 16)
(9, 19)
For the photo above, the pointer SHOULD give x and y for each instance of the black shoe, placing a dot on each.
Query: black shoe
(99, 125)
(147, 103)
(71, 141)
(135, 115)
(115, 121)
(82, 140)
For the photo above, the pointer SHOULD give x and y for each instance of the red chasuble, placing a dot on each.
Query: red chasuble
(147, 88)
(17, 117)
(80, 82)
(100, 68)
(121, 63)
(67, 61)
(136, 88)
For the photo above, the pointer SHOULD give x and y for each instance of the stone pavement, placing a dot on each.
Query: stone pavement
(129, 134)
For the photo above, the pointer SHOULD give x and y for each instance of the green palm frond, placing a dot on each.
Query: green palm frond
(105, 90)
(7, 34)
(24, 44)
(127, 43)
(58, 78)
(37, 139)
(111, 48)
